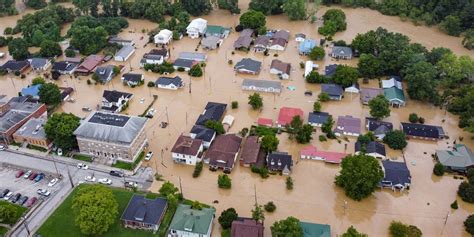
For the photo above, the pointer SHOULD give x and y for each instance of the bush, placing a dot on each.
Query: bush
(323, 97)
(302, 65)
(289, 183)
(89, 82)
(395, 139)
(439, 169)
(454, 205)
(413, 118)
(398, 229)
(197, 169)
(151, 84)
(466, 192)
(8, 31)
(322, 138)
(235, 104)
(263, 171)
(230, 62)
(469, 224)
(227, 217)
(421, 120)
(181, 69)
(270, 207)
(223, 181)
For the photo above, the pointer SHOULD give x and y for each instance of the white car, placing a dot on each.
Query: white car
(2, 147)
(149, 155)
(53, 182)
(82, 166)
(105, 181)
(8, 196)
(60, 152)
(90, 179)
(43, 192)
(27, 174)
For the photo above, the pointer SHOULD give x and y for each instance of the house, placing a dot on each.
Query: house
(213, 111)
(309, 66)
(286, 115)
(227, 122)
(395, 96)
(15, 113)
(306, 46)
(261, 85)
(124, 53)
(64, 67)
(111, 137)
(188, 222)
(367, 94)
(155, 56)
(163, 37)
(211, 42)
(280, 68)
(315, 230)
(89, 64)
(184, 64)
(39, 64)
(72, 59)
(334, 91)
(65, 92)
(396, 175)
(246, 227)
(347, 125)
(459, 159)
(117, 40)
(31, 91)
(281, 34)
(312, 153)
(133, 79)
(170, 83)
(245, 40)
(248, 66)
(261, 43)
(341, 52)
(144, 213)
(422, 131)
(392, 82)
(354, 88)
(105, 73)
(330, 69)
(278, 44)
(223, 152)
(196, 28)
(279, 162)
(32, 133)
(300, 37)
(378, 128)
(115, 101)
(187, 150)
(265, 122)
(198, 57)
(250, 151)
(374, 149)
(206, 135)
(317, 119)
(15, 66)
(218, 31)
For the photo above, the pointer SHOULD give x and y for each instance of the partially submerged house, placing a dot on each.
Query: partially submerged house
(194, 56)
(374, 149)
(395, 96)
(155, 56)
(306, 46)
(341, 52)
(330, 70)
(367, 94)
(261, 85)
(300, 37)
(187, 150)
(192, 222)
(459, 159)
(392, 82)
(170, 83)
(133, 79)
(348, 126)
(248, 66)
(312, 153)
(211, 42)
(64, 67)
(354, 88)
(223, 152)
(114, 101)
(309, 66)
(287, 114)
(266, 122)
(334, 91)
(246, 227)
(280, 68)
(144, 213)
(196, 28)
(31, 91)
(317, 119)
(105, 74)
(227, 122)
(124, 53)
(163, 37)
(279, 162)
(261, 43)
(281, 34)
(12, 66)
(206, 135)
(378, 128)
(250, 151)
(39, 64)
(396, 175)
(213, 111)
(422, 131)
(218, 31)
(117, 40)
(185, 64)
(244, 41)
(278, 44)
(89, 64)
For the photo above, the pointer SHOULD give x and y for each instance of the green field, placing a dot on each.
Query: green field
(129, 166)
(19, 211)
(82, 157)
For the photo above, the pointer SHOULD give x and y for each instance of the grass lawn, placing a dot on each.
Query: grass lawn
(19, 210)
(3, 231)
(82, 157)
(129, 166)
(38, 148)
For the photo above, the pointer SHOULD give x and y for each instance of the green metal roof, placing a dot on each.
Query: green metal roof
(213, 29)
(394, 93)
(190, 220)
(315, 230)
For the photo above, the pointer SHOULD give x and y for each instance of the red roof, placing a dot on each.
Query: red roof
(245, 227)
(90, 63)
(265, 122)
(328, 156)
(287, 114)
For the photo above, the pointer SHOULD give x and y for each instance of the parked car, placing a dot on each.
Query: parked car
(31, 202)
(105, 181)
(149, 155)
(116, 173)
(15, 198)
(82, 166)
(60, 152)
(43, 192)
(131, 184)
(8, 196)
(19, 173)
(39, 177)
(22, 200)
(4, 192)
(90, 178)
(52, 182)
(2, 147)
(27, 174)
(32, 176)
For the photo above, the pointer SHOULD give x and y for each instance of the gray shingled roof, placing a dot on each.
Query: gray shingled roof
(262, 83)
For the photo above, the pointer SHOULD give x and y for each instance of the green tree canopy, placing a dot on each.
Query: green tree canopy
(217, 126)
(315, 77)
(227, 217)
(50, 94)
(168, 188)
(352, 232)
(252, 19)
(256, 101)
(270, 143)
(36, 4)
(452, 25)
(369, 66)
(7, 214)
(257, 213)
(224, 181)
(317, 106)
(290, 227)
(50, 49)
(317, 53)
(395, 139)
(38, 81)
(469, 224)
(195, 71)
(197, 7)
(421, 82)
(88, 40)
(18, 49)
(345, 75)
(59, 129)
(379, 107)
(267, 7)
(468, 40)
(295, 9)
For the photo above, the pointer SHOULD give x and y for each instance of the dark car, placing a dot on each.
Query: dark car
(31, 202)
(19, 173)
(4, 192)
(116, 173)
(33, 176)
(22, 200)
(15, 198)
(39, 177)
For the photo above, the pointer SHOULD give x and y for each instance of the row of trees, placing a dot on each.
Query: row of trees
(344, 76)
(334, 21)
(7, 7)
(295, 9)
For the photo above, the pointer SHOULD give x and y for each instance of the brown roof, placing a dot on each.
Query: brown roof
(243, 42)
(246, 227)
(281, 66)
(223, 150)
(187, 146)
(279, 41)
(367, 94)
(281, 34)
(262, 40)
(90, 63)
(250, 150)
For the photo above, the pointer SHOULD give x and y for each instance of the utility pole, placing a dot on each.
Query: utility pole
(162, 159)
(167, 118)
(26, 226)
(186, 118)
(69, 176)
(180, 187)
(445, 222)
(55, 166)
(190, 81)
(255, 193)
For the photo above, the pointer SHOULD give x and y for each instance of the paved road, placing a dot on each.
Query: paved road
(38, 216)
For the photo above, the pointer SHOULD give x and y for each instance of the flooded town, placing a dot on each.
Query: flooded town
(157, 119)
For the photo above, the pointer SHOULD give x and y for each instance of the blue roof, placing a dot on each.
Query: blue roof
(144, 210)
(31, 90)
(329, 70)
(307, 45)
(396, 172)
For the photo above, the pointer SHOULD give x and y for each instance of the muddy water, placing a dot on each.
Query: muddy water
(314, 198)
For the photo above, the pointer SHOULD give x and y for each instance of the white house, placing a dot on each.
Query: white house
(391, 83)
(187, 150)
(163, 37)
(309, 67)
(170, 83)
(124, 53)
(354, 88)
(114, 101)
(196, 28)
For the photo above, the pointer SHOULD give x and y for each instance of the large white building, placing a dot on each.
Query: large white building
(163, 37)
(196, 28)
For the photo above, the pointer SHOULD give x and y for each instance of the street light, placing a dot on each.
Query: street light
(26, 225)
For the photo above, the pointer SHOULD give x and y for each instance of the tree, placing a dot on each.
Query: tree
(231, 5)
(345, 75)
(379, 107)
(59, 129)
(95, 209)
(295, 9)
(420, 79)
(50, 49)
(395, 139)
(270, 143)
(469, 224)
(7, 214)
(217, 126)
(323, 97)
(36, 4)
(252, 19)
(224, 181)
(196, 205)
(436, 54)
(317, 106)
(290, 227)
(289, 183)
(468, 40)
(413, 118)
(70, 53)
(304, 134)
(439, 169)
(197, 7)
(327, 126)
(257, 213)
(317, 53)
(352, 232)
(369, 66)
(88, 40)
(315, 77)
(38, 81)
(270, 207)
(18, 49)
(359, 176)
(466, 192)
(50, 94)
(168, 188)
(365, 43)
(267, 7)
(256, 101)
(195, 71)
(398, 229)
(451, 25)
(334, 21)
(470, 175)
(227, 217)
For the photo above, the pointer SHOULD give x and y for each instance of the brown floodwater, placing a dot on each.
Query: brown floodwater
(314, 198)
